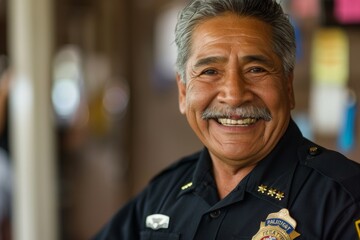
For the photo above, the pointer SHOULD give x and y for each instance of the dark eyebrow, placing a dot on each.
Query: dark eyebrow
(209, 60)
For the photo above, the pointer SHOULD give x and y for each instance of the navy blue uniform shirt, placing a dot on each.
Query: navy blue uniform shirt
(319, 188)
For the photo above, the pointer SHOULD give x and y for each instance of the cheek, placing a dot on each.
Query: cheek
(198, 97)
(275, 96)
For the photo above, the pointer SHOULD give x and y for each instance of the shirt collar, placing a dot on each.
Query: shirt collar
(202, 178)
(269, 180)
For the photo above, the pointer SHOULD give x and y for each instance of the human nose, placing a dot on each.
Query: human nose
(234, 90)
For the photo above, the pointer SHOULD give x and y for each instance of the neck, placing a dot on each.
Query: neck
(227, 177)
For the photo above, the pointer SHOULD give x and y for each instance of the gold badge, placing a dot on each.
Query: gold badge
(277, 226)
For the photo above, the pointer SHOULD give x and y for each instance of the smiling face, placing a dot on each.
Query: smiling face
(237, 98)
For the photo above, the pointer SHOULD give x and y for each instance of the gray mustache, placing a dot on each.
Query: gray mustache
(243, 111)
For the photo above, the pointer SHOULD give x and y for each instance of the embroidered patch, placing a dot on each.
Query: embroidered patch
(357, 227)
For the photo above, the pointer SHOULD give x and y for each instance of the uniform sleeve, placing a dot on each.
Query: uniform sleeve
(348, 225)
(124, 225)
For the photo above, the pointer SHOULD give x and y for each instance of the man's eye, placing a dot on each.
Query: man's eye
(257, 70)
(209, 72)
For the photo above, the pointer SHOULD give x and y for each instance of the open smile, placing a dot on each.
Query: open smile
(237, 122)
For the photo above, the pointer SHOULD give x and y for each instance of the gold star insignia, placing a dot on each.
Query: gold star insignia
(279, 195)
(262, 188)
(271, 192)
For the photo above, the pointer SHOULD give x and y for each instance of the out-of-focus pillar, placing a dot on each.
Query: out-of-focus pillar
(32, 142)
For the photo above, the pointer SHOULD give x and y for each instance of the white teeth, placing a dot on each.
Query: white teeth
(233, 122)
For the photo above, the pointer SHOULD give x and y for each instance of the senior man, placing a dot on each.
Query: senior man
(257, 176)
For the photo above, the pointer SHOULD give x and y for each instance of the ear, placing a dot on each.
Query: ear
(182, 93)
(290, 90)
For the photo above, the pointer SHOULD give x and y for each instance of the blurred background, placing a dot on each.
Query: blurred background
(88, 103)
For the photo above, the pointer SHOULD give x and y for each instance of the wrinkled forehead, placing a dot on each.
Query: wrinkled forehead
(233, 31)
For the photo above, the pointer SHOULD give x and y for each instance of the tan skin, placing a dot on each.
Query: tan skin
(232, 64)
(4, 92)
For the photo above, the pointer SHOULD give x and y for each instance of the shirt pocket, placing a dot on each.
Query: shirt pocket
(149, 235)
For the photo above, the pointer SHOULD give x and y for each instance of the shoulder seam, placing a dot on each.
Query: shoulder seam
(183, 161)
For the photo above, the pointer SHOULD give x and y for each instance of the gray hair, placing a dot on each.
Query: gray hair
(268, 11)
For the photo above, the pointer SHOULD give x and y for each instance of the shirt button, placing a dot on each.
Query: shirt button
(215, 214)
(313, 151)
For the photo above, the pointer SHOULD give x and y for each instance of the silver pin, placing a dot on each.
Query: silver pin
(157, 221)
